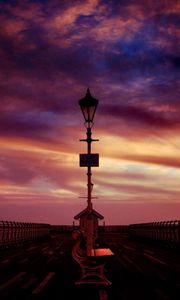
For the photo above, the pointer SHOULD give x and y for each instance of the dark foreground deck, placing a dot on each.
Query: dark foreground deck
(46, 270)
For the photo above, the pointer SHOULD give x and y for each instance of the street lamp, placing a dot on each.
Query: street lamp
(88, 105)
(90, 258)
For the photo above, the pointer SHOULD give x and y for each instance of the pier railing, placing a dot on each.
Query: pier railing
(17, 233)
(167, 232)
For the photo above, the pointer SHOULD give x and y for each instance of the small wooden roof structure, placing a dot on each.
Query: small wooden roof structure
(85, 212)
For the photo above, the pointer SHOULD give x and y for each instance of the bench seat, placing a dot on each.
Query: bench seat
(101, 252)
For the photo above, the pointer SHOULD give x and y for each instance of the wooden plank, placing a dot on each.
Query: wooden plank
(152, 258)
(11, 281)
(43, 283)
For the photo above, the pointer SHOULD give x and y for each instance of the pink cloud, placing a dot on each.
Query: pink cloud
(127, 54)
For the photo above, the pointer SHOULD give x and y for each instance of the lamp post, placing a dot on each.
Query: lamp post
(88, 105)
(90, 257)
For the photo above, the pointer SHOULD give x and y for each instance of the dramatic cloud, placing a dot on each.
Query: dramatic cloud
(127, 53)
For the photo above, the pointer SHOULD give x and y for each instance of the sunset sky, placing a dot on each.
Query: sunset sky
(126, 52)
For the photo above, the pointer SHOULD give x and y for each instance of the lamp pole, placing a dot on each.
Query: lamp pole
(89, 225)
(88, 106)
(89, 184)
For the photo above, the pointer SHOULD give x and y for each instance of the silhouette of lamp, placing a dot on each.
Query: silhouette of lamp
(88, 105)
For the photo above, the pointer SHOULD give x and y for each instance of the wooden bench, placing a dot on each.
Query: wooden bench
(92, 266)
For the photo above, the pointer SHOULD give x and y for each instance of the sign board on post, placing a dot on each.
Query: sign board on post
(89, 160)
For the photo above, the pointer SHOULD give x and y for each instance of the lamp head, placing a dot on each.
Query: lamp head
(88, 106)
